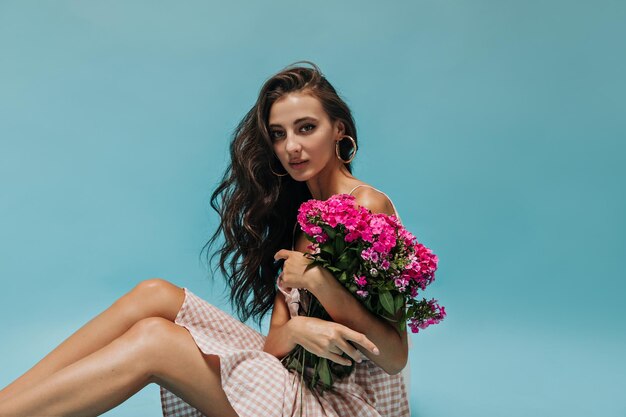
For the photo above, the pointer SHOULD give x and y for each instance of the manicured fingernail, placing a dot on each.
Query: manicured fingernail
(376, 351)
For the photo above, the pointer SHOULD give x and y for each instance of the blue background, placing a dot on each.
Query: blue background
(497, 128)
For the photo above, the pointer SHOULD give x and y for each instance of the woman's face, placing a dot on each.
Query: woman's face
(301, 130)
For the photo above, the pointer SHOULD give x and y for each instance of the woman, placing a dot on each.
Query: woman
(296, 143)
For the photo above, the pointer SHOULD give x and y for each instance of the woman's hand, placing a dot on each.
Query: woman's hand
(328, 339)
(297, 272)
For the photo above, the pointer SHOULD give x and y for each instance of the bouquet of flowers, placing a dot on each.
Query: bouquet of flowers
(377, 260)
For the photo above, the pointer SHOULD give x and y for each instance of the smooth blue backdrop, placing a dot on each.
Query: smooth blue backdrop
(497, 127)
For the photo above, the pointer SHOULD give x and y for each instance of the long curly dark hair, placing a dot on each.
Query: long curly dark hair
(257, 208)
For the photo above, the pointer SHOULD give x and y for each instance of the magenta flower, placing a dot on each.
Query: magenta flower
(378, 236)
(401, 283)
(375, 258)
(360, 281)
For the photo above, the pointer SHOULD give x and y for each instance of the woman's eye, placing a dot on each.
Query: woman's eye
(275, 134)
(308, 127)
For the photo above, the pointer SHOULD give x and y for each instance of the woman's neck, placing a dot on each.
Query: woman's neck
(337, 180)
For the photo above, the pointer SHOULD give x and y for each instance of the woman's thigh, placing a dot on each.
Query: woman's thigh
(175, 362)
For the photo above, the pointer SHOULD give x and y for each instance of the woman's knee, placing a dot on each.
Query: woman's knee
(147, 342)
(156, 297)
(151, 331)
(154, 286)
(159, 344)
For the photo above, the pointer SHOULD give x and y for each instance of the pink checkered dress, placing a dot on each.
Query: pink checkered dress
(257, 384)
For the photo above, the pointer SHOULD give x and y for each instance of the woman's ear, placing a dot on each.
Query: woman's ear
(340, 128)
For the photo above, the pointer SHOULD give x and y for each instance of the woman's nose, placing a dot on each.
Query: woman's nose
(292, 144)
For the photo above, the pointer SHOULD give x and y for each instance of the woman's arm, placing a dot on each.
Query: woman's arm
(352, 322)
(315, 335)
(279, 341)
(344, 308)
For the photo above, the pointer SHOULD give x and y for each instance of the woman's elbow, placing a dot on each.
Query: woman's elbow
(396, 370)
(398, 364)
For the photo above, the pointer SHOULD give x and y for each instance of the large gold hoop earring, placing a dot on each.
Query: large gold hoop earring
(353, 153)
(278, 175)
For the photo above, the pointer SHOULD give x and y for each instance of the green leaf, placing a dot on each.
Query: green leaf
(324, 371)
(353, 265)
(387, 301)
(315, 378)
(328, 248)
(340, 245)
(343, 277)
(330, 232)
(344, 261)
(398, 301)
(295, 364)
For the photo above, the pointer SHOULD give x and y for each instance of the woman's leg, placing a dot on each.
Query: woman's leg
(150, 298)
(153, 350)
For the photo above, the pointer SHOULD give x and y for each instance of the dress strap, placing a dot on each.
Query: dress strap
(390, 200)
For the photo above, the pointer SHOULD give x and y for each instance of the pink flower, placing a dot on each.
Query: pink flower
(360, 281)
(386, 252)
(321, 238)
(434, 315)
(315, 230)
(401, 283)
(352, 236)
(314, 248)
(377, 223)
(379, 246)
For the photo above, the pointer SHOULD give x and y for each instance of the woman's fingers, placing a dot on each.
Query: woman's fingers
(361, 339)
(339, 359)
(331, 340)
(343, 343)
(281, 254)
(350, 350)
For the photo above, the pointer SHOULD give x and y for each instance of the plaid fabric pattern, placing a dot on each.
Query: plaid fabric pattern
(257, 384)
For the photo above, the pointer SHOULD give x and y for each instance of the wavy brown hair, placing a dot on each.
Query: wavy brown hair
(257, 208)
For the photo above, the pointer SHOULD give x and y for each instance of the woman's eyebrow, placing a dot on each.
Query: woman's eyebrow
(295, 122)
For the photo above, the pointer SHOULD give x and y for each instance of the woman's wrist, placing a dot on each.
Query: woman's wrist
(319, 278)
(322, 282)
(293, 333)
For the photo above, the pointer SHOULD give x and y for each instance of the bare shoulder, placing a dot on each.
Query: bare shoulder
(373, 200)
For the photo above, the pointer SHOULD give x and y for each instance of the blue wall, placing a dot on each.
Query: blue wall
(497, 128)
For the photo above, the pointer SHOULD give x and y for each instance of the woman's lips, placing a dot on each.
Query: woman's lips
(300, 165)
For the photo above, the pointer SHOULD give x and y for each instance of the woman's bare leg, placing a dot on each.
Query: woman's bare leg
(153, 350)
(150, 298)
